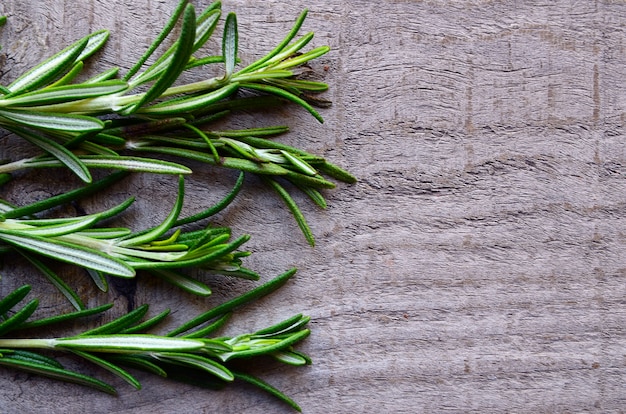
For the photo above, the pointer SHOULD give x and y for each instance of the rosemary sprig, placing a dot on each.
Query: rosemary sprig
(104, 122)
(162, 251)
(124, 343)
(67, 111)
(87, 125)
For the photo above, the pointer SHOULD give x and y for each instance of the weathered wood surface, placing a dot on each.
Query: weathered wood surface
(478, 265)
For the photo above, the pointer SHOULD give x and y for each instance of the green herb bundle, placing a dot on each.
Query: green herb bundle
(184, 353)
(89, 124)
(131, 123)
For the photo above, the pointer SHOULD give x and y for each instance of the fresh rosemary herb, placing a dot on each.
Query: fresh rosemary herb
(130, 123)
(161, 251)
(91, 124)
(123, 343)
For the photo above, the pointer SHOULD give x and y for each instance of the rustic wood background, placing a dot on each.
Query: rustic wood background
(477, 266)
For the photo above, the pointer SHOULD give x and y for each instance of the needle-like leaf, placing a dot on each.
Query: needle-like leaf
(13, 298)
(177, 64)
(292, 33)
(106, 75)
(219, 206)
(119, 324)
(143, 326)
(182, 281)
(205, 25)
(293, 207)
(191, 104)
(257, 382)
(38, 323)
(161, 229)
(99, 279)
(160, 38)
(120, 372)
(253, 294)
(286, 326)
(55, 230)
(134, 164)
(65, 93)
(29, 356)
(95, 41)
(69, 76)
(230, 44)
(65, 197)
(49, 69)
(199, 362)
(58, 283)
(140, 361)
(65, 156)
(57, 373)
(284, 94)
(70, 253)
(290, 358)
(13, 322)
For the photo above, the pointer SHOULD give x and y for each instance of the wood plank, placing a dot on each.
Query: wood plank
(478, 264)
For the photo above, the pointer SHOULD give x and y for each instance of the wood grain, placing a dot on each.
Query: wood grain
(477, 266)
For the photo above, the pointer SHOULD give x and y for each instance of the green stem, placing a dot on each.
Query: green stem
(27, 343)
(118, 101)
(15, 165)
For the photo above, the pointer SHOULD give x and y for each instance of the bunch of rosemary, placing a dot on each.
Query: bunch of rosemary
(184, 353)
(104, 122)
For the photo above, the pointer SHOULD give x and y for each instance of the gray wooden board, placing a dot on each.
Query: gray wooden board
(478, 264)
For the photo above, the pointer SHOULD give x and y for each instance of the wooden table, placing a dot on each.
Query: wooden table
(477, 266)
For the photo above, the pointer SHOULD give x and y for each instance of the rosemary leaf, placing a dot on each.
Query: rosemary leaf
(38, 323)
(58, 373)
(120, 372)
(48, 70)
